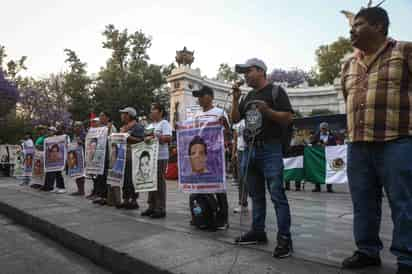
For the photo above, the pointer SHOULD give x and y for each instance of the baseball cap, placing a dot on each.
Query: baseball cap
(253, 62)
(52, 129)
(205, 90)
(78, 124)
(324, 125)
(129, 110)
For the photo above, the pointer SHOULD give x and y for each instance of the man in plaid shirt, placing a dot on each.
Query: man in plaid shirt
(377, 86)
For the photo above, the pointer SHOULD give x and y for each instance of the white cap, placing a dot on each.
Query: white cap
(129, 110)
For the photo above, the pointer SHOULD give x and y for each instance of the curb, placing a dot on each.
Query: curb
(106, 257)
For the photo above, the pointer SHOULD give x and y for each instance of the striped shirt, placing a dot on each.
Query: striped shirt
(378, 94)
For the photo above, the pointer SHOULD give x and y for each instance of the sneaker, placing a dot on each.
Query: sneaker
(360, 260)
(224, 226)
(147, 212)
(241, 209)
(53, 190)
(404, 269)
(252, 238)
(284, 248)
(157, 214)
(60, 190)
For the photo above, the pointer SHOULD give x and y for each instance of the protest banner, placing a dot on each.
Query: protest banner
(13, 151)
(18, 170)
(96, 141)
(117, 152)
(75, 161)
(144, 162)
(28, 154)
(55, 153)
(38, 164)
(201, 159)
(4, 154)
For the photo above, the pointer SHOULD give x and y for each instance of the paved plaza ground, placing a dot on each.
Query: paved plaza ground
(123, 241)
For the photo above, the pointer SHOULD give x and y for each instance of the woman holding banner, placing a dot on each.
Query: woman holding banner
(160, 129)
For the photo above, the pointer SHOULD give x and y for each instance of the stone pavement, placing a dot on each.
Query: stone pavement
(124, 242)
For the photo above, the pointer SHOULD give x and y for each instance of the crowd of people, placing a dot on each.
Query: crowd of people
(377, 88)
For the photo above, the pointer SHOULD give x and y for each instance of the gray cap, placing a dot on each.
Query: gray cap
(78, 124)
(129, 110)
(324, 125)
(52, 129)
(254, 62)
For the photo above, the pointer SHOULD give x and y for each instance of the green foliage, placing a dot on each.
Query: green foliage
(320, 112)
(329, 60)
(226, 73)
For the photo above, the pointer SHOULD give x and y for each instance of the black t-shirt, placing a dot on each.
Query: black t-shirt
(266, 130)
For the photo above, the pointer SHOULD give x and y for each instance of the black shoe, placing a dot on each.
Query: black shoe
(360, 260)
(251, 238)
(316, 190)
(284, 247)
(132, 205)
(97, 201)
(158, 214)
(404, 269)
(147, 212)
(298, 189)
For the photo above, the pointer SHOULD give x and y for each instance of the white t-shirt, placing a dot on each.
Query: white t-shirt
(212, 114)
(240, 127)
(162, 128)
(27, 144)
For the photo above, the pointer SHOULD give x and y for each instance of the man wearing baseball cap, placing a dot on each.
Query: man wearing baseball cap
(266, 111)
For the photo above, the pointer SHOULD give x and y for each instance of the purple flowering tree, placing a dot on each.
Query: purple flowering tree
(8, 94)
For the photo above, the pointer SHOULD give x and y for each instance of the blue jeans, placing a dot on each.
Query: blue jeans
(372, 166)
(266, 167)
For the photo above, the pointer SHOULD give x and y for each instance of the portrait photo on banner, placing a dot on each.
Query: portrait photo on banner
(144, 162)
(55, 153)
(117, 158)
(75, 161)
(28, 154)
(4, 154)
(96, 141)
(18, 169)
(201, 158)
(38, 164)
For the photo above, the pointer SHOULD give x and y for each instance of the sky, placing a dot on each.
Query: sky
(283, 33)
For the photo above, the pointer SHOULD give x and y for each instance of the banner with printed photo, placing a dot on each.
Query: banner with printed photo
(18, 170)
(38, 164)
(13, 151)
(4, 154)
(75, 161)
(96, 141)
(144, 162)
(201, 159)
(55, 153)
(117, 153)
(28, 154)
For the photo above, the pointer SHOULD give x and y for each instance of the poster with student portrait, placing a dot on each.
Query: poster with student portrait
(75, 161)
(55, 153)
(117, 158)
(4, 154)
(96, 141)
(18, 170)
(201, 157)
(28, 154)
(13, 151)
(38, 164)
(144, 162)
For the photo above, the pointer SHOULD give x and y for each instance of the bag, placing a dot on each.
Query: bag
(287, 130)
(203, 208)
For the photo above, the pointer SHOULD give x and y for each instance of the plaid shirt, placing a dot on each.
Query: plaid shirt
(378, 95)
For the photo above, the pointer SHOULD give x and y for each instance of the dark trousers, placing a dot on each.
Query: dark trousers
(222, 216)
(128, 186)
(157, 199)
(372, 166)
(100, 184)
(242, 183)
(54, 176)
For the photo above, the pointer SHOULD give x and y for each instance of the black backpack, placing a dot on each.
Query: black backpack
(287, 131)
(203, 208)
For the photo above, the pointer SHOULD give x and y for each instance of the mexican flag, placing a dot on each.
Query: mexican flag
(325, 165)
(293, 168)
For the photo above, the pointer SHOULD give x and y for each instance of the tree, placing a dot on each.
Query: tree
(226, 73)
(329, 59)
(127, 79)
(321, 112)
(77, 86)
(292, 78)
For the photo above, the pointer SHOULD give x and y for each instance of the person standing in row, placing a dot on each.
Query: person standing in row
(136, 135)
(162, 131)
(377, 88)
(27, 144)
(265, 115)
(79, 138)
(101, 180)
